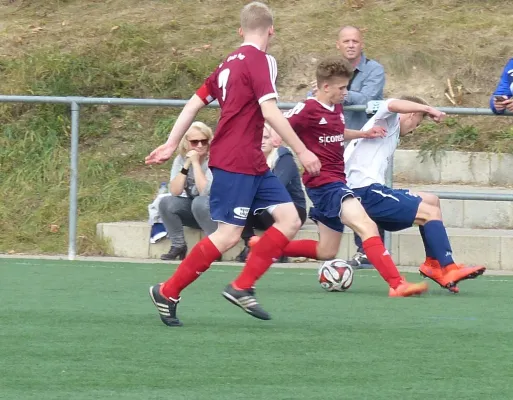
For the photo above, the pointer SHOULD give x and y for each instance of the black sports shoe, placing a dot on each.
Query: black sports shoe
(243, 255)
(165, 307)
(359, 261)
(245, 299)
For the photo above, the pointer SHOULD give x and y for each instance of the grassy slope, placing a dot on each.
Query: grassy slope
(164, 49)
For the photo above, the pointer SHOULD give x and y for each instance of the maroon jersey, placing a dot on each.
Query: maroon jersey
(321, 128)
(240, 83)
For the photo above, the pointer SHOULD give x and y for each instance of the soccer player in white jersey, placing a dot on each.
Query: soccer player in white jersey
(366, 162)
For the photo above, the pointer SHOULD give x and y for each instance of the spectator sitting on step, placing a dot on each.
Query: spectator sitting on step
(189, 185)
(282, 164)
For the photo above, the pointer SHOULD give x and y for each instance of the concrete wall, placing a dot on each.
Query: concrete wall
(454, 167)
(489, 247)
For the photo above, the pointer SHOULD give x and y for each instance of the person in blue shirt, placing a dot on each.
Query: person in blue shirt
(502, 98)
(368, 80)
(282, 164)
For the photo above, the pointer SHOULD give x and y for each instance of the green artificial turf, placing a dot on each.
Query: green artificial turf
(88, 330)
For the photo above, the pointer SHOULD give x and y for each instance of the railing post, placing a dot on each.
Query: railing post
(73, 184)
(389, 181)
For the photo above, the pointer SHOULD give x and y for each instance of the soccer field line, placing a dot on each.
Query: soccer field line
(367, 273)
(143, 267)
(27, 259)
(272, 271)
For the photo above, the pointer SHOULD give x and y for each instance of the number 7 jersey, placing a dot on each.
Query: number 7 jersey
(244, 80)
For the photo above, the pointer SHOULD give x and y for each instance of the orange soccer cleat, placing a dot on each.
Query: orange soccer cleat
(449, 276)
(406, 289)
(455, 273)
(253, 240)
(431, 269)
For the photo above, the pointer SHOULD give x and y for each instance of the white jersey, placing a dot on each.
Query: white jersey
(367, 159)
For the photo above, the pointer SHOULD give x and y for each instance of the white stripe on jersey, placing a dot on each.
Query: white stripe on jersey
(273, 70)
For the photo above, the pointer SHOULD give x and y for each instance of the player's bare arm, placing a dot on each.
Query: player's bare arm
(282, 127)
(373, 133)
(164, 152)
(405, 107)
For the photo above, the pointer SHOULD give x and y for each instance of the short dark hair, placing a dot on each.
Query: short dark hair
(333, 68)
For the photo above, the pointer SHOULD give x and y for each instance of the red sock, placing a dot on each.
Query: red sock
(197, 262)
(269, 247)
(301, 248)
(380, 258)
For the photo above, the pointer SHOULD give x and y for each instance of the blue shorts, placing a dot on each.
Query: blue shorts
(391, 209)
(327, 204)
(233, 196)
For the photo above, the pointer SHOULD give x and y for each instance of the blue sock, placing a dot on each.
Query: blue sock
(358, 243)
(429, 252)
(438, 242)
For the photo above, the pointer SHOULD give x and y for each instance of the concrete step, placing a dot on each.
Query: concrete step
(489, 247)
(471, 213)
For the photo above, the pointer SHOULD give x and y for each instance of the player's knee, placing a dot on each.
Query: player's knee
(437, 201)
(289, 227)
(431, 199)
(326, 253)
(232, 241)
(224, 241)
(365, 227)
(432, 213)
(295, 223)
(287, 219)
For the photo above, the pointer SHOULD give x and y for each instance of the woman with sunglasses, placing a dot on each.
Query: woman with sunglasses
(190, 188)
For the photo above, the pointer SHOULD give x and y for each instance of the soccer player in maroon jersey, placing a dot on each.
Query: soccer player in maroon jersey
(244, 85)
(319, 123)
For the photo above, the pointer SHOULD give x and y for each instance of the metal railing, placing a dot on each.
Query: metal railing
(76, 102)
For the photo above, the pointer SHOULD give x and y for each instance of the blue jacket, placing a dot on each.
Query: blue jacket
(367, 84)
(287, 172)
(505, 86)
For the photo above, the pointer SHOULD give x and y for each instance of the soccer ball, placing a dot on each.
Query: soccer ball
(335, 275)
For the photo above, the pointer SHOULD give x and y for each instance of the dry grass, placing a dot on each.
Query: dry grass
(420, 43)
(164, 48)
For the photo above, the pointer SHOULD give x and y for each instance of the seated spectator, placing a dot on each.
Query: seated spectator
(282, 164)
(502, 98)
(189, 185)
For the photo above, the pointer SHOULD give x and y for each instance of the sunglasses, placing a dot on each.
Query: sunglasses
(195, 142)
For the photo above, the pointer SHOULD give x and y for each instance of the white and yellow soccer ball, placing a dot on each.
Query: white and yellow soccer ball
(335, 275)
